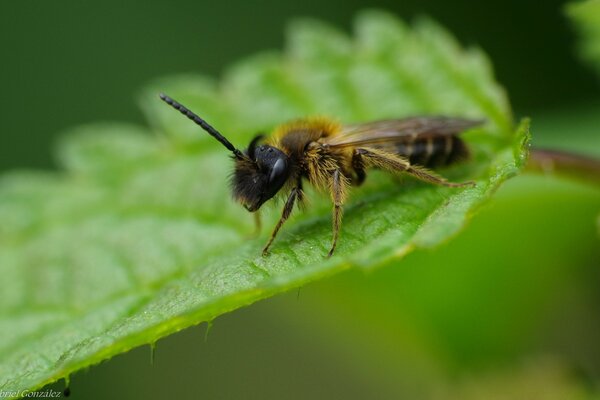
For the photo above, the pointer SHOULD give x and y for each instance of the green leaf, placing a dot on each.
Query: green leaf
(138, 238)
(586, 18)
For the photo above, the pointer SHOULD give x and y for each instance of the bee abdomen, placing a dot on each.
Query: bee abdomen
(436, 151)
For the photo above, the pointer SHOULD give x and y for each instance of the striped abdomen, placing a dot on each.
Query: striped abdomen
(432, 151)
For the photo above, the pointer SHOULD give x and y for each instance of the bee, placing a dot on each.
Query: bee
(334, 157)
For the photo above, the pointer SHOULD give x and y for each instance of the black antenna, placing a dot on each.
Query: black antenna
(203, 124)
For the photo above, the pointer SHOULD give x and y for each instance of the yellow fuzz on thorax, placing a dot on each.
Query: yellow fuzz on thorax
(313, 127)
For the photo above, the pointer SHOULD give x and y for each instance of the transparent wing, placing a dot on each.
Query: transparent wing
(400, 130)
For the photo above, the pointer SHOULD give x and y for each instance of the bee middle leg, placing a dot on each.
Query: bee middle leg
(295, 194)
(339, 186)
(396, 164)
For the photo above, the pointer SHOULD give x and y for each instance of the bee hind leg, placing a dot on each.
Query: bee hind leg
(395, 164)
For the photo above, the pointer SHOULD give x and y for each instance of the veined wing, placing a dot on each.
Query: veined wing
(404, 130)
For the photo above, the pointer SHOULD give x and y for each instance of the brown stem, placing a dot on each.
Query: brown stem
(565, 163)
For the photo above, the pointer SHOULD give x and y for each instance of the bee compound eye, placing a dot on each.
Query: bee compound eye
(278, 170)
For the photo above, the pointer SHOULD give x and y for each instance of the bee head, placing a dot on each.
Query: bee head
(260, 175)
(260, 171)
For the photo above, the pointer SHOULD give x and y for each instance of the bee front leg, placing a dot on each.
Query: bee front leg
(257, 225)
(287, 210)
(339, 185)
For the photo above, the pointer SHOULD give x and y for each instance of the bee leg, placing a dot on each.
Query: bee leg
(287, 210)
(339, 185)
(359, 168)
(395, 164)
(257, 225)
(427, 175)
(300, 200)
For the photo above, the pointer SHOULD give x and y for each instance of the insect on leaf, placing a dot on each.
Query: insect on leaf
(138, 237)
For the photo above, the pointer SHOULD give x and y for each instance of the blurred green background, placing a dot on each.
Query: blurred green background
(510, 309)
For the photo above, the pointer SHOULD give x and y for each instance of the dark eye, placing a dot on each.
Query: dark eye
(278, 173)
